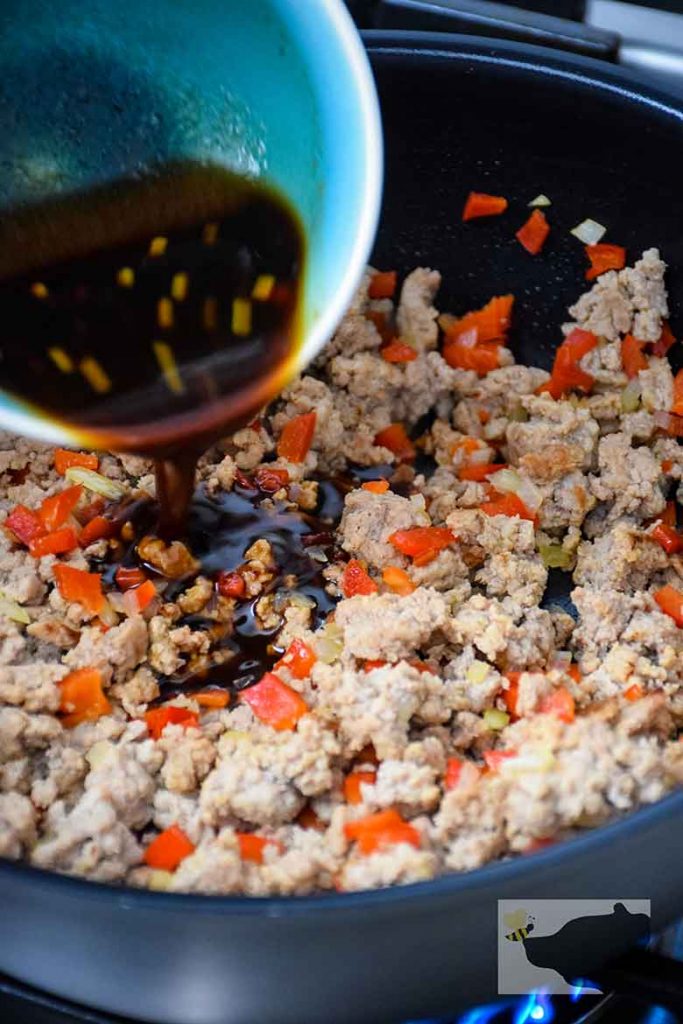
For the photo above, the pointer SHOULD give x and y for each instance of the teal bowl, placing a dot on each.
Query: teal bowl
(92, 91)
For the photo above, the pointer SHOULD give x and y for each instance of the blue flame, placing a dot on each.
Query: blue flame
(484, 1014)
(537, 1007)
(580, 988)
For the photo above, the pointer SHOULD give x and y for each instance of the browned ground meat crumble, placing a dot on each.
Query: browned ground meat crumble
(88, 800)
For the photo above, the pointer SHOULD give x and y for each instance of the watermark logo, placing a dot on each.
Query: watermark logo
(545, 945)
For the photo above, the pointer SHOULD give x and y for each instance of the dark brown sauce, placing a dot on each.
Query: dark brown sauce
(154, 315)
(219, 532)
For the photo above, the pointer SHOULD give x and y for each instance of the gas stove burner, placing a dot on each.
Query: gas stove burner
(586, 1009)
(539, 1008)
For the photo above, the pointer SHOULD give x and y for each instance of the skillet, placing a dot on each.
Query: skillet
(458, 114)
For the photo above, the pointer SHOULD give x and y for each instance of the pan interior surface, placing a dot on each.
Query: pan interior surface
(516, 121)
(457, 118)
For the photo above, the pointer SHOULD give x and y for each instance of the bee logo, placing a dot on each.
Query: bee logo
(520, 924)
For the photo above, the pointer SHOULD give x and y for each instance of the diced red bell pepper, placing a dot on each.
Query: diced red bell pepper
(271, 480)
(578, 344)
(491, 322)
(481, 357)
(55, 510)
(83, 587)
(479, 471)
(382, 285)
(296, 437)
(511, 695)
(136, 599)
(127, 576)
(377, 831)
(25, 524)
(376, 486)
(566, 374)
(59, 542)
(298, 658)
(574, 672)
(668, 538)
(372, 663)
(632, 357)
(494, 758)
(168, 849)
(98, 528)
(394, 438)
(670, 601)
(559, 703)
(422, 543)
(664, 342)
(231, 584)
(352, 784)
(507, 505)
(480, 204)
(454, 767)
(533, 234)
(634, 692)
(603, 257)
(677, 407)
(536, 845)
(398, 352)
(398, 580)
(275, 703)
(355, 580)
(158, 718)
(671, 425)
(212, 699)
(81, 698)
(252, 846)
(64, 459)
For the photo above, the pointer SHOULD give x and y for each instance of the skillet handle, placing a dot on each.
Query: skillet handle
(484, 18)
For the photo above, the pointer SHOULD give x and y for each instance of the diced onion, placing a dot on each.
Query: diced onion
(12, 610)
(510, 481)
(477, 672)
(495, 719)
(555, 556)
(589, 231)
(630, 396)
(159, 880)
(329, 643)
(540, 200)
(539, 760)
(95, 482)
(99, 753)
(284, 597)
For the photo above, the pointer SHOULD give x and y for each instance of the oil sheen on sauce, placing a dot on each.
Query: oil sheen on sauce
(154, 315)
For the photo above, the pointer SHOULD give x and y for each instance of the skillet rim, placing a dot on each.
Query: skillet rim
(586, 73)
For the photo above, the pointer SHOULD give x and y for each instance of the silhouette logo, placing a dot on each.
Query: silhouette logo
(550, 945)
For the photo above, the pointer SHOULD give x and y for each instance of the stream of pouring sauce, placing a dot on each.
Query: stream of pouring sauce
(156, 316)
